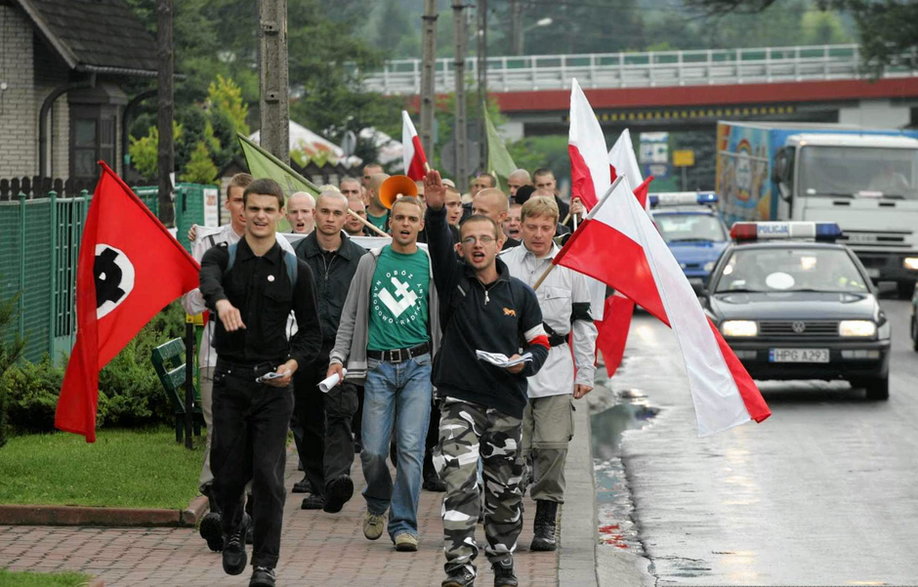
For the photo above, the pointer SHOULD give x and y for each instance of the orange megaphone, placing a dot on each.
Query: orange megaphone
(395, 187)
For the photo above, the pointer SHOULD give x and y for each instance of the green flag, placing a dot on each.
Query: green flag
(500, 163)
(264, 164)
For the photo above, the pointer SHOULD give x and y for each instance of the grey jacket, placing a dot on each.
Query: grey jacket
(353, 329)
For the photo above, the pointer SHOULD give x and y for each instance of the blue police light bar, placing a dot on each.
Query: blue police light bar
(683, 199)
(819, 231)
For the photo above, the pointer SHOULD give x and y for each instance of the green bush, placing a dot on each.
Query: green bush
(32, 390)
(10, 350)
(130, 394)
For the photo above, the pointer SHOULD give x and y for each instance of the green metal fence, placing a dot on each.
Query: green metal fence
(38, 261)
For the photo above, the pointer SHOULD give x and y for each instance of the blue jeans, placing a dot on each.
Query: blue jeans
(396, 396)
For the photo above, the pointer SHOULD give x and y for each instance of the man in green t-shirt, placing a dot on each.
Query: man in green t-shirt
(389, 330)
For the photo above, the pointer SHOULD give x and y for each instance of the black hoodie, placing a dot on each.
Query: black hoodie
(494, 318)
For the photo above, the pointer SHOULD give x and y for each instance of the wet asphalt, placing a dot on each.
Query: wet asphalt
(825, 492)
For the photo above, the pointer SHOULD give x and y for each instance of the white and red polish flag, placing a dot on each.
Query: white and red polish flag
(623, 161)
(586, 147)
(616, 322)
(413, 151)
(618, 244)
(592, 172)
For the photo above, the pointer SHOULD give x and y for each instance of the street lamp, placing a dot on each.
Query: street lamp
(520, 38)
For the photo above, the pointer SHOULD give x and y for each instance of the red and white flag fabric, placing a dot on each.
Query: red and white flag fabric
(129, 267)
(612, 329)
(623, 161)
(619, 245)
(586, 146)
(412, 151)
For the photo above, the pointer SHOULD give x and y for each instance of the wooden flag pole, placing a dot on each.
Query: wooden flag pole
(366, 222)
(544, 275)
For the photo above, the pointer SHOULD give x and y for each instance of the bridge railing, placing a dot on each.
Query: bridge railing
(648, 69)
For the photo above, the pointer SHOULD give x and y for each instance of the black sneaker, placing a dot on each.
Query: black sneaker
(503, 574)
(313, 502)
(338, 491)
(234, 556)
(433, 483)
(263, 577)
(302, 486)
(211, 530)
(460, 577)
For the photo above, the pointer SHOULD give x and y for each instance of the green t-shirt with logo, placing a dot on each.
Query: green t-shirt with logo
(398, 307)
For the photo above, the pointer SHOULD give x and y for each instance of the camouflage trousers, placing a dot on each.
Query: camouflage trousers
(469, 432)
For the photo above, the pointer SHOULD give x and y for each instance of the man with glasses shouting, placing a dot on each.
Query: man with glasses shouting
(484, 309)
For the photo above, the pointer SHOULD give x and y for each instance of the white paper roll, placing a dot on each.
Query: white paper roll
(330, 382)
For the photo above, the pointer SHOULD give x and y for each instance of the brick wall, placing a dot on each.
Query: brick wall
(51, 73)
(18, 103)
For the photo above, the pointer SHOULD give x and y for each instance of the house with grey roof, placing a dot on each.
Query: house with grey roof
(64, 67)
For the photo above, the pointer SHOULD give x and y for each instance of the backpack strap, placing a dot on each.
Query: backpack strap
(231, 249)
(290, 262)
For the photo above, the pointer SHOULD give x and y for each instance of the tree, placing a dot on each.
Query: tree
(200, 168)
(888, 29)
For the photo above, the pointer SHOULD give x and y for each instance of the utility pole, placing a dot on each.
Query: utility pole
(428, 64)
(516, 27)
(482, 82)
(274, 107)
(462, 140)
(165, 152)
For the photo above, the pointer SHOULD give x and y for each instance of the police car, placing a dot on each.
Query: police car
(693, 230)
(794, 304)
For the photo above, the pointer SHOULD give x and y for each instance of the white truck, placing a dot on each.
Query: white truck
(866, 180)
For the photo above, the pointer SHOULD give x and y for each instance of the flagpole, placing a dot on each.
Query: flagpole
(366, 222)
(589, 216)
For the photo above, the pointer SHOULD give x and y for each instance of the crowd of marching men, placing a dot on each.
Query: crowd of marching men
(457, 361)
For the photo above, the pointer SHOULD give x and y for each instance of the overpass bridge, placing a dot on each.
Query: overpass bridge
(681, 89)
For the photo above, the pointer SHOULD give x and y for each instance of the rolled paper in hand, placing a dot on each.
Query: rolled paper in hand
(329, 382)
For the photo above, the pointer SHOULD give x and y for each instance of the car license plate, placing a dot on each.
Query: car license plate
(798, 355)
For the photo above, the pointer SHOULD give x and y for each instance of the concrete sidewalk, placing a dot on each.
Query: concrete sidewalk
(317, 548)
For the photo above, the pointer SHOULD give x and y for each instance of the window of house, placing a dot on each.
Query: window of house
(92, 138)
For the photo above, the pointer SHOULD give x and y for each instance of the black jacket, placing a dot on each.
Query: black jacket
(495, 318)
(332, 273)
(260, 288)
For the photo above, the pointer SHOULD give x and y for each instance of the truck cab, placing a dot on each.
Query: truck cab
(868, 184)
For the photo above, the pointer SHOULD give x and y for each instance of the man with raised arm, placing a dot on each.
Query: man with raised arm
(484, 309)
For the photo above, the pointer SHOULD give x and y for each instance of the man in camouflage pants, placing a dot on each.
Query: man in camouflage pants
(483, 308)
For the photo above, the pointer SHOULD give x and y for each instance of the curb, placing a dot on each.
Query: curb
(579, 533)
(58, 515)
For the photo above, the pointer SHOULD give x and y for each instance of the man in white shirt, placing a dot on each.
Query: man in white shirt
(564, 298)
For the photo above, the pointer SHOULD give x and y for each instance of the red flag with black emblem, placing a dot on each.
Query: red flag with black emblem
(129, 268)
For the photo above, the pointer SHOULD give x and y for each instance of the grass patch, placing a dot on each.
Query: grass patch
(27, 579)
(123, 468)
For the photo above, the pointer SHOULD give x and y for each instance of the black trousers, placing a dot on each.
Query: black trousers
(249, 443)
(309, 415)
(327, 446)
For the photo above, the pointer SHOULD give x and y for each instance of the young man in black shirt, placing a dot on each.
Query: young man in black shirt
(327, 446)
(252, 287)
(483, 308)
